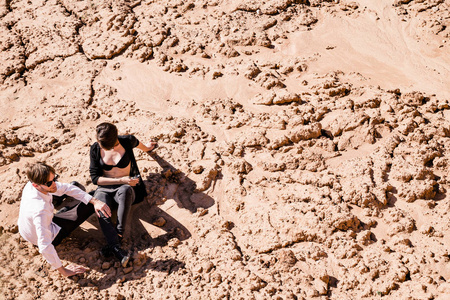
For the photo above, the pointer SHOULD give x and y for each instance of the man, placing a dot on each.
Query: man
(38, 225)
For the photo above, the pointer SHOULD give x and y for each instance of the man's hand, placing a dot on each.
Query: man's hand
(101, 207)
(71, 270)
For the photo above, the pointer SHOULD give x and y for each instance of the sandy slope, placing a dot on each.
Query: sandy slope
(304, 145)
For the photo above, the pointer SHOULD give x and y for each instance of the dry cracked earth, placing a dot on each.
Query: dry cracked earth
(297, 159)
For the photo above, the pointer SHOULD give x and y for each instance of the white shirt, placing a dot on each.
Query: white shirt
(36, 214)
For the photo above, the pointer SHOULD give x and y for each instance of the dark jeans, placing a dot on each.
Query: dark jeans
(120, 197)
(80, 211)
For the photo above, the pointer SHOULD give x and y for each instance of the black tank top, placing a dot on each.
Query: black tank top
(123, 163)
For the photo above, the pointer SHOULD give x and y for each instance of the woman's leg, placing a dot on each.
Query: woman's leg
(107, 196)
(124, 198)
(106, 223)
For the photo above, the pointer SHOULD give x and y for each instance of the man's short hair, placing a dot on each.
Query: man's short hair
(39, 172)
(107, 135)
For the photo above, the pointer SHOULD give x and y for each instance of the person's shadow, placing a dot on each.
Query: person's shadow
(169, 183)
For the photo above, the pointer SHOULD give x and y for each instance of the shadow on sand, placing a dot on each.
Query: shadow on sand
(169, 183)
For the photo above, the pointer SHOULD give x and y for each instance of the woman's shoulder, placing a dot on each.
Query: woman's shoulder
(95, 146)
(128, 140)
(95, 149)
(126, 137)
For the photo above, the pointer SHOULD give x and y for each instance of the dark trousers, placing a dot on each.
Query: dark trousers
(119, 197)
(81, 211)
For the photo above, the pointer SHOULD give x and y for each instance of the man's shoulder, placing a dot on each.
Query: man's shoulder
(29, 191)
(32, 199)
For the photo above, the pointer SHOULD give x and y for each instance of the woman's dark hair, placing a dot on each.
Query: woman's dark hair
(107, 135)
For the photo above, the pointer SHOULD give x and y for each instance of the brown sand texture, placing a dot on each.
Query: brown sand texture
(304, 146)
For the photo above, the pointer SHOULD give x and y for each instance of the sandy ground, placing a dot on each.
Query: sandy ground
(304, 145)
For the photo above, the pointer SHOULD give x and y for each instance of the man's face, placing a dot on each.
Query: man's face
(50, 185)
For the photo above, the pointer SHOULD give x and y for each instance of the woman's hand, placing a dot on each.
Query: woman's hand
(152, 146)
(129, 180)
(148, 148)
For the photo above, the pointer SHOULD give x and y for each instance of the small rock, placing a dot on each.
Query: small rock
(160, 222)
(217, 74)
(174, 243)
(287, 257)
(228, 225)
(106, 265)
(197, 169)
(325, 278)
(120, 297)
(321, 287)
(198, 269)
(201, 211)
(208, 266)
(13, 228)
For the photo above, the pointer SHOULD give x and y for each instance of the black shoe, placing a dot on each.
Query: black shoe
(121, 255)
(106, 251)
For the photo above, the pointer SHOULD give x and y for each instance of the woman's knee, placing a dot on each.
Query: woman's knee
(104, 197)
(101, 195)
(126, 192)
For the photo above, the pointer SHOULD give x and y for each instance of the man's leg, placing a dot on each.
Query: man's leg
(82, 212)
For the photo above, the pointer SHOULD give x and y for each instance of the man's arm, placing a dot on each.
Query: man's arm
(47, 249)
(100, 207)
(77, 193)
(72, 191)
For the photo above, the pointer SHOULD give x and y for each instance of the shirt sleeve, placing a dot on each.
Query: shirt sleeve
(95, 169)
(72, 191)
(44, 241)
(133, 141)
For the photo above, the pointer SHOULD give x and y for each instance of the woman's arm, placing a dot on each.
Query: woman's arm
(135, 143)
(148, 148)
(94, 167)
(116, 181)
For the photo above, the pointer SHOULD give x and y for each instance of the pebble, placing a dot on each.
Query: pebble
(106, 265)
(159, 222)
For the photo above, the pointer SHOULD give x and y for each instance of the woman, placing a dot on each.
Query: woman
(113, 168)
